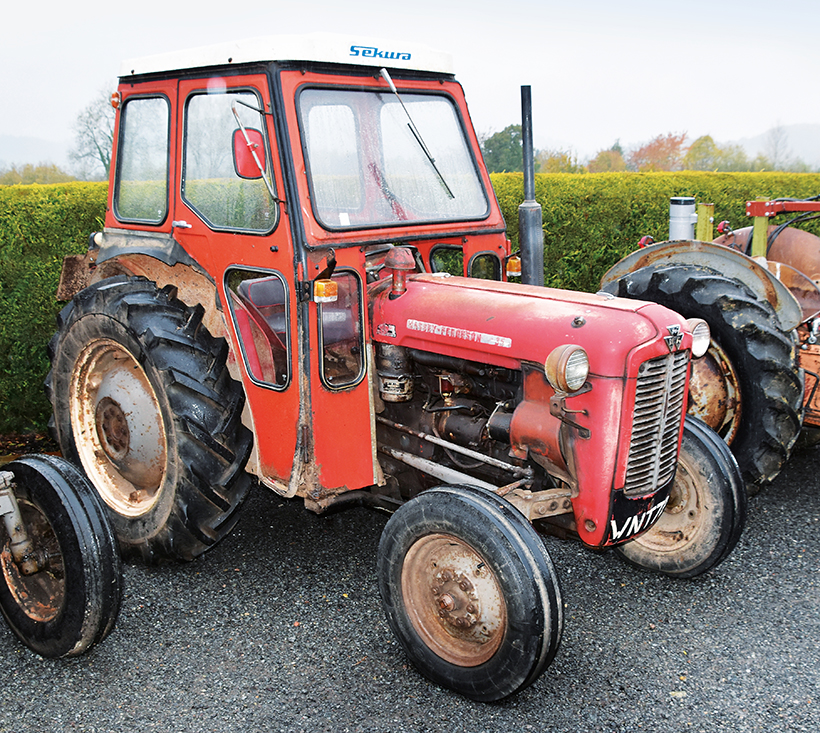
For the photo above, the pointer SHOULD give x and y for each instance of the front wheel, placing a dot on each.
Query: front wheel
(70, 599)
(705, 515)
(470, 592)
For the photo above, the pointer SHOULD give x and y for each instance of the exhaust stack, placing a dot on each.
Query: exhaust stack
(530, 228)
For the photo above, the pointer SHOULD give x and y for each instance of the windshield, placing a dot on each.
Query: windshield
(368, 168)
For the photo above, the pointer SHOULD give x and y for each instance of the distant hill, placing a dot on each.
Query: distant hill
(21, 150)
(802, 142)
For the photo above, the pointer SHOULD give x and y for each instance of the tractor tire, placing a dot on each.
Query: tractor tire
(143, 401)
(470, 591)
(705, 515)
(748, 387)
(71, 601)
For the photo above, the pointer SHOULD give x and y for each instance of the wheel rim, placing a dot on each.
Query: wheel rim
(453, 600)
(714, 392)
(682, 519)
(118, 427)
(41, 595)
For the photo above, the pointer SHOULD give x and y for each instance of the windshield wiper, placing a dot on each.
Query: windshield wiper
(416, 133)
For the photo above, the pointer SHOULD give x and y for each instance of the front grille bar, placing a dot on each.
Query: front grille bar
(653, 447)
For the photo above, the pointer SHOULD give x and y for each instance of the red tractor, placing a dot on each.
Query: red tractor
(270, 298)
(757, 287)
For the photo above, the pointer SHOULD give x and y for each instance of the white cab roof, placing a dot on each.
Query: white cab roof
(323, 47)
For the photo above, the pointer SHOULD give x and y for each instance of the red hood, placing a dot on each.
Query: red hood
(490, 322)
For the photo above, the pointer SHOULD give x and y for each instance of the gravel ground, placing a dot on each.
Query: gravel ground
(279, 628)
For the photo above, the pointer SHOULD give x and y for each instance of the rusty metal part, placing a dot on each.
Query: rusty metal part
(541, 504)
(798, 249)
(453, 600)
(475, 455)
(809, 355)
(20, 545)
(76, 274)
(714, 392)
(793, 257)
(773, 208)
(40, 592)
(722, 259)
(443, 473)
(120, 432)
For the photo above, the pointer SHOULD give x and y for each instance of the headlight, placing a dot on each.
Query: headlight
(700, 336)
(567, 368)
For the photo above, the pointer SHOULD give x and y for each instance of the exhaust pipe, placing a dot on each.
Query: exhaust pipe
(530, 228)
(682, 218)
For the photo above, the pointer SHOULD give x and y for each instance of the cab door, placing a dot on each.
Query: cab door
(228, 215)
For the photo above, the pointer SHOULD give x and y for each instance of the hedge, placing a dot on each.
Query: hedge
(39, 225)
(593, 220)
(590, 222)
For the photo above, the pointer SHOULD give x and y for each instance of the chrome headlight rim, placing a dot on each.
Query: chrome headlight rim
(701, 336)
(567, 368)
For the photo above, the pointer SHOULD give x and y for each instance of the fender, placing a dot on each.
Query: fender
(113, 244)
(721, 259)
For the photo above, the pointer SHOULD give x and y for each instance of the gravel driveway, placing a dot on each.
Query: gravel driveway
(279, 628)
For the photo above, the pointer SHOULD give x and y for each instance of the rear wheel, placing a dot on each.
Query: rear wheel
(470, 591)
(748, 387)
(70, 599)
(144, 403)
(705, 515)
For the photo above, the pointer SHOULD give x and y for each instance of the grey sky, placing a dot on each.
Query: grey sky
(599, 70)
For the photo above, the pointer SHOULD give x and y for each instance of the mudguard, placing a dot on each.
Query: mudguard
(728, 262)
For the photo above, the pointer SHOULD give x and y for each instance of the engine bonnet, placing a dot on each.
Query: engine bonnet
(507, 323)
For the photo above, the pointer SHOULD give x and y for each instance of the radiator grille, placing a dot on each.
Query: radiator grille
(653, 448)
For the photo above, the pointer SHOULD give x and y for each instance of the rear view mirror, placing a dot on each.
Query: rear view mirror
(248, 153)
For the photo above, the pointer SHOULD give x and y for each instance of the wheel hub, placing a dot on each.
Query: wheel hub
(118, 427)
(453, 600)
(682, 519)
(40, 595)
(714, 393)
(457, 599)
(112, 428)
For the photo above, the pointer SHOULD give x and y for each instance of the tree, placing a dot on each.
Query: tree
(733, 158)
(557, 161)
(94, 138)
(663, 153)
(27, 174)
(776, 149)
(504, 151)
(703, 155)
(608, 161)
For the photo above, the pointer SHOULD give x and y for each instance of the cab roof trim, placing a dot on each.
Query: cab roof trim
(317, 47)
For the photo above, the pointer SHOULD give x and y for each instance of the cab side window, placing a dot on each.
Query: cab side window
(141, 186)
(445, 258)
(211, 183)
(258, 301)
(485, 266)
(341, 334)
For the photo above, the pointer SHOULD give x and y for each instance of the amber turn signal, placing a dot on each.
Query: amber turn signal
(325, 291)
(514, 266)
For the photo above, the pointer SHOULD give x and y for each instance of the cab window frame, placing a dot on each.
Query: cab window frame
(123, 159)
(196, 207)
